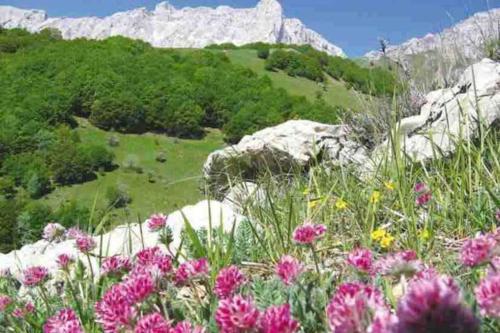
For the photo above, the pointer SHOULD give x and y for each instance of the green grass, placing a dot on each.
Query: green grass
(334, 92)
(176, 180)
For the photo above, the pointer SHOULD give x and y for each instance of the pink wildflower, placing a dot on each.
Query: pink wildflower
(156, 222)
(308, 233)
(18, 313)
(85, 243)
(139, 287)
(236, 314)
(35, 276)
(434, 305)
(420, 187)
(53, 232)
(5, 301)
(63, 261)
(352, 307)
(197, 268)
(397, 264)
(114, 311)
(228, 281)
(423, 199)
(361, 259)
(288, 269)
(116, 265)
(152, 323)
(187, 327)
(488, 296)
(278, 319)
(477, 251)
(22, 312)
(65, 321)
(154, 257)
(74, 233)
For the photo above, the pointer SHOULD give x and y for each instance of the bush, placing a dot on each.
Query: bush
(118, 196)
(263, 53)
(7, 187)
(31, 221)
(71, 214)
(161, 157)
(113, 141)
(98, 157)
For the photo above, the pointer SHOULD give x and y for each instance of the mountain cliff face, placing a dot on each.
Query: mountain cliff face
(467, 37)
(167, 26)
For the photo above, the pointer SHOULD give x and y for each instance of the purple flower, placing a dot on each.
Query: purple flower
(488, 295)
(361, 259)
(308, 233)
(237, 314)
(434, 305)
(278, 319)
(228, 281)
(65, 321)
(288, 269)
(478, 250)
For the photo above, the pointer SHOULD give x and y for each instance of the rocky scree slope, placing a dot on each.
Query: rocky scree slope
(466, 38)
(166, 26)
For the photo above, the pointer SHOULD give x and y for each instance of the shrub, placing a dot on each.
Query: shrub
(98, 157)
(31, 221)
(113, 141)
(263, 53)
(161, 157)
(118, 196)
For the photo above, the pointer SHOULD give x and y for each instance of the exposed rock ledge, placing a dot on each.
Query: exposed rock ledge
(123, 240)
(449, 115)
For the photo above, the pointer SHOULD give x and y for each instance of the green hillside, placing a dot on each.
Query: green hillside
(152, 185)
(334, 92)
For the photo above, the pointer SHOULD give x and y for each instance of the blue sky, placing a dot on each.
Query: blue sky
(353, 25)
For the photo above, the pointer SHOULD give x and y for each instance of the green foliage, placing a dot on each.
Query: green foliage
(493, 49)
(118, 196)
(31, 221)
(263, 52)
(296, 64)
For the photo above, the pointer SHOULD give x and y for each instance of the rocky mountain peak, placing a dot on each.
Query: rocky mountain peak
(167, 26)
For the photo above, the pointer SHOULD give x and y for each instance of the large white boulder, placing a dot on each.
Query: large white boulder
(123, 240)
(451, 115)
(291, 146)
(166, 26)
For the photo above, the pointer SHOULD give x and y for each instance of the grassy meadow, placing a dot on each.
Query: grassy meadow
(160, 187)
(334, 92)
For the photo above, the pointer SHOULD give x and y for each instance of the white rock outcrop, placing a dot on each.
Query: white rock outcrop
(166, 26)
(293, 145)
(466, 38)
(451, 115)
(123, 240)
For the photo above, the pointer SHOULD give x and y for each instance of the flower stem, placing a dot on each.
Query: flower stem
(316, 260)
(45, 299)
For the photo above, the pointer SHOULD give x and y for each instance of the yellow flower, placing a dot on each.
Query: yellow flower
(378, 234)
(386, 241)
(389, 185)
(313, 203)
(375, 197)
(306, 191)
(425, 234)
(340, 204)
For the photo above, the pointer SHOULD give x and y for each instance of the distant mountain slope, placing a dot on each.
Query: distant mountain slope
(167, 26)
(467, 37)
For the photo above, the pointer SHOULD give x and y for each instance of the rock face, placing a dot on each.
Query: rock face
(123, 240)
(452, 114)
(167, 26)
(293, 145)
(467, 37)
